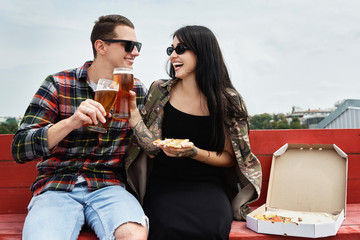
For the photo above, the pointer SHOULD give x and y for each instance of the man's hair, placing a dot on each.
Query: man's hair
(104, 28)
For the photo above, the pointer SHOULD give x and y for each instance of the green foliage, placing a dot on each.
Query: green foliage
(262, 121)
(268, 121)
(281, 123)
(9, 126)
(295, 123)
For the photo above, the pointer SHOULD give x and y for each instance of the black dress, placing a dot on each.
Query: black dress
(185, 199)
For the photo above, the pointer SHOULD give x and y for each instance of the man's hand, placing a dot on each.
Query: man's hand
(89, 112)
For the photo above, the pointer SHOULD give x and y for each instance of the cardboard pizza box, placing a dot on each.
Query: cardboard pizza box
(308, 184)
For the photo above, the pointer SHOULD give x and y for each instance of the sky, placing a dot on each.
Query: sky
(279, 53)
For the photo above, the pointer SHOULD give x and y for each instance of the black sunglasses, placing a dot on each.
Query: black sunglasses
(129, 45)
(180, 49)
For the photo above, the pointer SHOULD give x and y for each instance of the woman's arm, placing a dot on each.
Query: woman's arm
(142, 134)
(225, 159)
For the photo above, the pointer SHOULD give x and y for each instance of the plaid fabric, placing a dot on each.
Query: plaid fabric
(95, 156)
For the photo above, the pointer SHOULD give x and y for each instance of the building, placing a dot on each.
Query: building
(346, 115)
(309, 118)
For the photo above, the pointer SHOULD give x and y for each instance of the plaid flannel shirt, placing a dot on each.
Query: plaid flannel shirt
(95, 156)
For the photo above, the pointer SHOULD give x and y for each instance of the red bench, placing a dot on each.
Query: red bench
(15, 180)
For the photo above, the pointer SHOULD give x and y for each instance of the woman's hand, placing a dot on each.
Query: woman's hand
(142, 134)
(135, 116)
(225, 159)
(187, 150)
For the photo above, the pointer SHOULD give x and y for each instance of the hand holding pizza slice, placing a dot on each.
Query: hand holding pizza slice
(171, 142)
(177, 147)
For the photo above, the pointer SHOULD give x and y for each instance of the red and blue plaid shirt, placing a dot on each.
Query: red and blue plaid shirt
(95, 156)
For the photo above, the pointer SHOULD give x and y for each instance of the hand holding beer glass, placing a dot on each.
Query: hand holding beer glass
(106, 92)
(125, 78)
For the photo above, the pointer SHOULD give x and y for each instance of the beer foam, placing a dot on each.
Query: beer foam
(106, 89)
(123, 70)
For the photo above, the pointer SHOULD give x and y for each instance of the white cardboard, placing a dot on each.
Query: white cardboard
(281, 150)
(324, 217)
(339, 151)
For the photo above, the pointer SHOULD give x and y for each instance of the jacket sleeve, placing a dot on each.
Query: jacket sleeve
(248, 168)
(30, 140)
(152, 116)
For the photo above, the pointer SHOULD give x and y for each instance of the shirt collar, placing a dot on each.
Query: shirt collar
(81, 72)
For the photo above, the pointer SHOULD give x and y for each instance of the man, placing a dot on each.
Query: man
(80, 177)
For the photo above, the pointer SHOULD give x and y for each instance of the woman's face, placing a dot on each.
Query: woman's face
(185, 63)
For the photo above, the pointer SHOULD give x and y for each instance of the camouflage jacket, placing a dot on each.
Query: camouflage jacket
(243, 179)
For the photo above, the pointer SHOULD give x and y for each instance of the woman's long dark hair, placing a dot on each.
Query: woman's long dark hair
(212, 78)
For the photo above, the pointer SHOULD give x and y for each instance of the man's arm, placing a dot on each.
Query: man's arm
(41, 128)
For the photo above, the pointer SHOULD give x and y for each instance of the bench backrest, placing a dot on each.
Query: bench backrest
(15, 179)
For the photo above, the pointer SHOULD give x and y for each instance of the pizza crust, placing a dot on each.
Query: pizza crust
(171, 142)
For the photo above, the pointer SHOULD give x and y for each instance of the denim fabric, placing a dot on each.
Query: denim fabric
(61, 215)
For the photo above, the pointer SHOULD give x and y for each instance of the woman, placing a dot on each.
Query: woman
(193, 192)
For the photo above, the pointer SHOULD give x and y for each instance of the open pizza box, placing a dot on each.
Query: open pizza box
(308, 184)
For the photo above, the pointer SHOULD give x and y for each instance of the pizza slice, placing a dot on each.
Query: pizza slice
(274, 218)
(171, 142)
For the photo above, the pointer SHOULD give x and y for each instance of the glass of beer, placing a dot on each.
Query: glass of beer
(125, 78)
(106, 92)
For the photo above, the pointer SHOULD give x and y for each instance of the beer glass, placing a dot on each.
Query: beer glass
(125, 78)
(106, 92)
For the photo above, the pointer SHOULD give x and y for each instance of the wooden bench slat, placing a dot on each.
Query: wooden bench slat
(9, 218)
(268, 141)
(353, 208)
(5, 147)
(353, 191)
(352, 218)
(13, 174)
(354, 166)
(14, 200)
(265, 165)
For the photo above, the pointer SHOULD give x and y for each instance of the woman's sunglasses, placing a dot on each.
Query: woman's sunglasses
(129, 45)
(180, 49)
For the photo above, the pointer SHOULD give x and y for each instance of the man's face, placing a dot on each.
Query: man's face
(116, 53)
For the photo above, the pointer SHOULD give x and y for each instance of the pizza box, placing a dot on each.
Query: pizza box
(308, 184)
